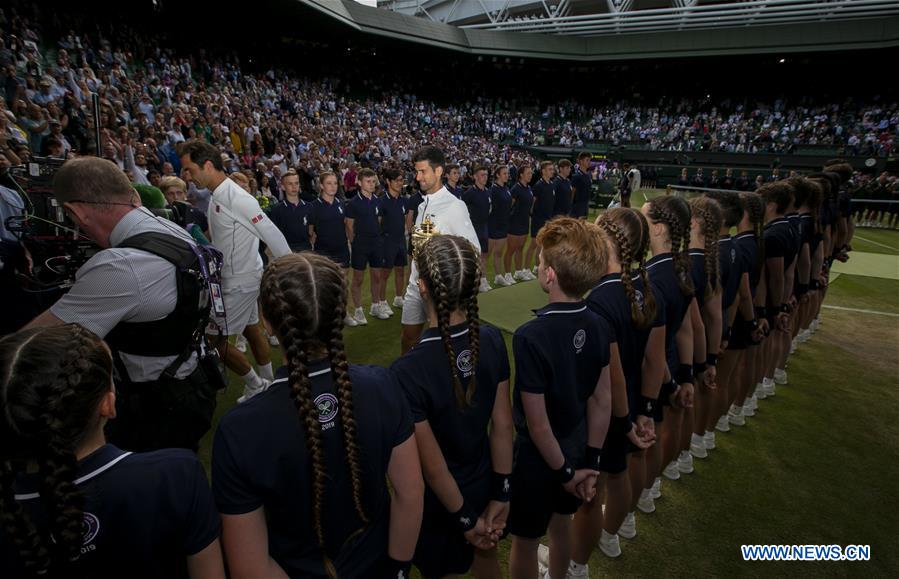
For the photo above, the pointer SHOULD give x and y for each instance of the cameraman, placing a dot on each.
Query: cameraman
(150, 312)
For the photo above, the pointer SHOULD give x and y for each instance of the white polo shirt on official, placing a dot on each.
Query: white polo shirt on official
(237, 224)
(450, 216)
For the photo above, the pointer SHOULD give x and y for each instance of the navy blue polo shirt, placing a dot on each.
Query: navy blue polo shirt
(560, 354)
(259, 459)
(563, 196)
(698, 275)
(583, 186)
(144, 514)
(412, 204)
(330, 230)
(796, 228)
(427, 380)
(393, 216)
(520, 217)
(609, 300)
(365, 214)
(293, 221)
(478, 203)
(779, 241)
(456, 189)
(748, 256)
(806, 227)
(729, 270)
(544, 199)
(500, 208)
(671, 303)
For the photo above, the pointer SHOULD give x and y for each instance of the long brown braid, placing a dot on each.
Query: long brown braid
(303, 296)
(755, 208)
(451, 271)
(674, 213)
(49, 404)
(629, 232)
(711, 218)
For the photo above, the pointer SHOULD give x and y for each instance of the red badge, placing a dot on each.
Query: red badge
(258, 218)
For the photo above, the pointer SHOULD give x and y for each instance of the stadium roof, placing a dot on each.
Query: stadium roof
(754, 27)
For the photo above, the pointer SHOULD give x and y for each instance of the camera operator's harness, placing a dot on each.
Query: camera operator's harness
(182, 332)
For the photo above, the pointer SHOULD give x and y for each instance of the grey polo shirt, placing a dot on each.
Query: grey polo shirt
(127, 285)
(11, 205)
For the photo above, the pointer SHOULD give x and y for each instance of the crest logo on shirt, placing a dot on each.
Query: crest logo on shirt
(258, 218)
(580, 338)
(733, 255)
(327, 408)
(463, 362)
(638, 297)
(90, 526)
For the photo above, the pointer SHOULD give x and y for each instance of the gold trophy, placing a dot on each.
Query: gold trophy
(422, 233)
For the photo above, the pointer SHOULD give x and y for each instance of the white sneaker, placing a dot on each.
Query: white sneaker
(697, 447)
(749, 406)
(780, 376)
(386, 308)
(398, 302)
(350, 321)
(760, 391)
(723, 424)
(359, 316)
(735, 415)
(509, 279)
(708, 440)
(273, 341)
(499, 280)
(768, 385)
(685, 461)
(628, 528)
(793, 346)
(672, 471)
(531, 275)
(241, 344)
(646, 503)
(485, 286)
(656, 490)
(376, 311)
(519, 275)
(609, 544)
(804, 335)
(250, 391)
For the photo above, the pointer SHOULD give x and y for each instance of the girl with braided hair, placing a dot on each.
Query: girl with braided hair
(748, 327)
(669, 219)
(707, 323)
(731, 278)
(624, 299)
(808, 227)
(299, 471)
(72, 505)
(456, 380)
(777, 283)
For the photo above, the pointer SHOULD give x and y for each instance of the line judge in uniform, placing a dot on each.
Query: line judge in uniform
(449, 216)
(132, 294)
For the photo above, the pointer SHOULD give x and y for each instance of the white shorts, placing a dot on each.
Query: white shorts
(241, 310)
(413, 307)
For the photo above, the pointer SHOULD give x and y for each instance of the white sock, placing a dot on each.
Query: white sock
(252, 379)
(577, 567)
(265, 371)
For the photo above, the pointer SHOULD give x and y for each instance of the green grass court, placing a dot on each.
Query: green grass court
(818, 464)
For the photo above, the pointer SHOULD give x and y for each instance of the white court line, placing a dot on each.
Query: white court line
(860, 311)
(877, 243)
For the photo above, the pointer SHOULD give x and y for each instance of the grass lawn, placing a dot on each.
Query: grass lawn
(817, 465)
